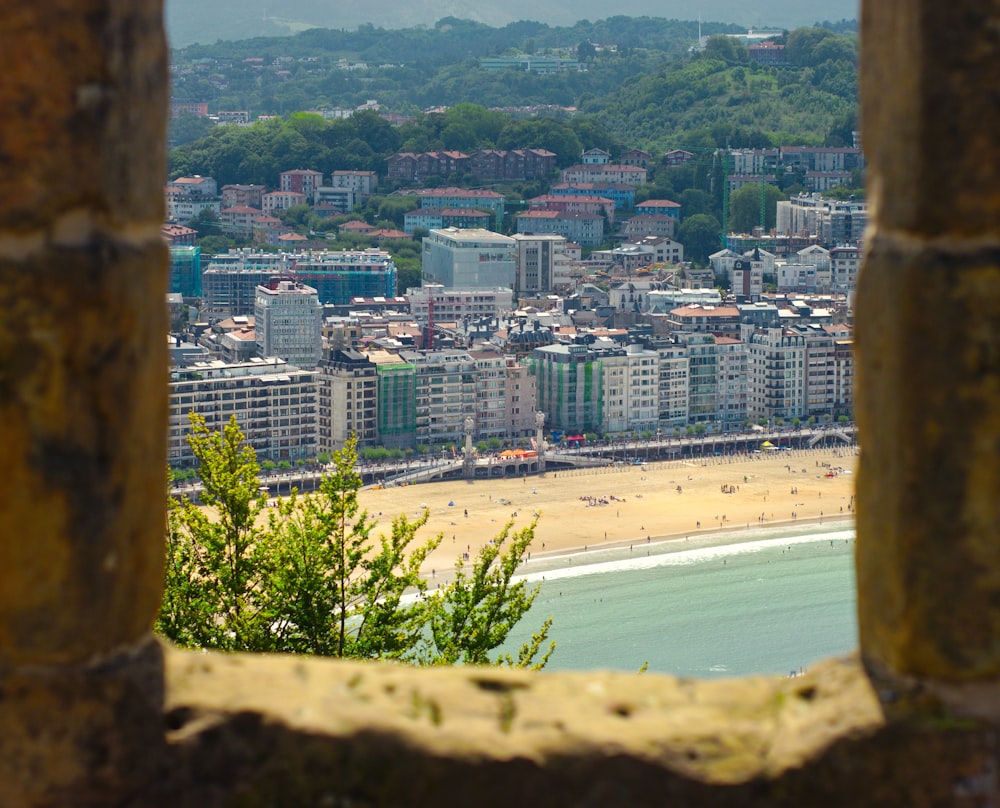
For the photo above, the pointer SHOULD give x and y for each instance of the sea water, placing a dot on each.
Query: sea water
(767, 602)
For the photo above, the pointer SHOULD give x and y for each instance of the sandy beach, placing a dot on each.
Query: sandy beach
(598, 508)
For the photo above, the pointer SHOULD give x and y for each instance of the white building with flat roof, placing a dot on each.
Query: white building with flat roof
(274, 405)
(469, 259)
(289, 322)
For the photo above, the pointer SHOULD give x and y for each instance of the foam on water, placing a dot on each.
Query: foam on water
(716, 605)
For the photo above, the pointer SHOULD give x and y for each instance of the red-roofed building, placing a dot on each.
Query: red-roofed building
(282, 200)
(767, 53)
(301, 181)
(177, 235)
(574, 203)
(355, 226)
(238, 220)
(724, 320)
(664, 207)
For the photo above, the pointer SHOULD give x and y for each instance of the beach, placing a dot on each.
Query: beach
(620, 506)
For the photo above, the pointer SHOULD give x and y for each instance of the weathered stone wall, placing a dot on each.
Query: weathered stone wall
(94, 712)
(928, 348)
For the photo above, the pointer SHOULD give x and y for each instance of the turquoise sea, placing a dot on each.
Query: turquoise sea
(771, 601)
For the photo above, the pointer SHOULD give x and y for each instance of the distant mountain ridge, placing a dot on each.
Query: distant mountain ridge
(190, 21)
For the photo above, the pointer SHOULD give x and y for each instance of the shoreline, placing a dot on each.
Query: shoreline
(588, 510)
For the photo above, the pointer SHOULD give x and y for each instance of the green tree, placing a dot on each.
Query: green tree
(216, 568)
(700, 234)
(476, 612)
(744, 207)
(312, 578)
(336, 591)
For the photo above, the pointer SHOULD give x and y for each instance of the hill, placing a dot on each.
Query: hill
(190, 21)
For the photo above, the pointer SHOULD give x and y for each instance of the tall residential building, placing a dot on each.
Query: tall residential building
(673, 383)
(491, 394)
(445, 394)
(250, 196)
(843, 378)
(569, 382)
(462, 198)
(274, 404)
(703, 376)
(732, 364)
(185, 270)
(230, 281)
(282, 200)
(397, 400)
(347, 384)
(363, 183)
(522, 398)
(630, 390)
(289, 322)
(820, 370)
(542, 262)
(844, 265)
(776, 378)
(469, 259)
(833, 221)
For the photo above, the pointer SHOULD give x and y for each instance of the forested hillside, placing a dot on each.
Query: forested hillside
(628, 95)
(190, 21)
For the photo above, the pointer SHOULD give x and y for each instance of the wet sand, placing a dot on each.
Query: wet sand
(592, 509)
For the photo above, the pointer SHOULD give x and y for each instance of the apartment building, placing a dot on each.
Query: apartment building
(491, 394)
(445, 394)
(542, 262)
(185, 270)
(703, 376)
(660, 207)
(396, 408)
(732, 365)
(230, 280)
(843, 377)
(820, 370)
(575, 203)
(250, 196)
(282, 200)
(521, 395)
(334, 199)
(776, 373)
(695, 318)
(833, 221)
(631, 390)
(456, 305)
(443, 218)
(461, 198)
(673, 388)
(569, 382)
(623, 195)
(274, 404)
(363, 183)
(844, 265)
(301, 181)
(585, 229)
(239, 220)
(347, 400)
(288, 322)
(610, 172)
(649, 224)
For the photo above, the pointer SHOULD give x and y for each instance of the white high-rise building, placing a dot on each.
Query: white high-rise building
(289, 322)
